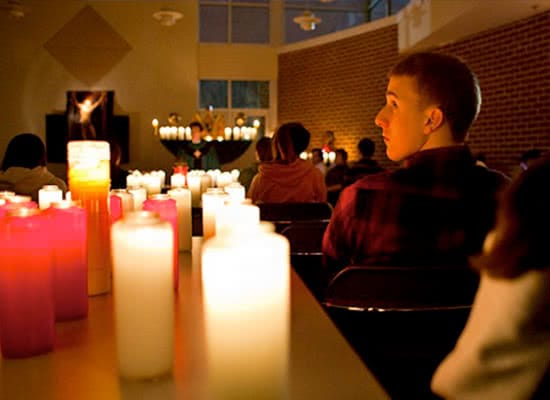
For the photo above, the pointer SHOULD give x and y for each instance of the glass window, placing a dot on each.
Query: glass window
(213, 93)
(250, 25)
(213, 26)
(250, 94)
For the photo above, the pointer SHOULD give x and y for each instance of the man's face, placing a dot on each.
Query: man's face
(402, 119)
(195, 134)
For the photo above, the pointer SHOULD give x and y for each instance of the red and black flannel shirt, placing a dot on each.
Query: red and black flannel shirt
(436, 210)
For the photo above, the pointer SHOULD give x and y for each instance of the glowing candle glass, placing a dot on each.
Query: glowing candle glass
(182, 196)
(143, 282)
(26, 299)
(247, 281)
(166, 207)
(89, 181)
(69, 259)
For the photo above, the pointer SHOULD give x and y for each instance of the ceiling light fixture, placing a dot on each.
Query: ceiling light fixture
(167, 17)
(307, 21)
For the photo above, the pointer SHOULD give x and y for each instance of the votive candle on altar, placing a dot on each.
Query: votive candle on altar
(227, 133)
(177, 180)
(224, 179)
(187, 133)
(69, 259)
(181, 133)
(194, 184)
(212, 200)
(143, 282)
(247, 280)
(166, 207)
(236, 133)
(49, 194)
(182, 196)
(89, 180)
(235, 191)
(26, 300)
(139, 195)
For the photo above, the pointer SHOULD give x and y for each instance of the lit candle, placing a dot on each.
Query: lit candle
(127, 199)
(49, 194)
(143, 295)
(152, 183)
(194, 184)
(26, 298)
(235, 173)
(15, 202)
(234, 215)
(227, 133)
(331, 157)
(181, 133)
(115, 208)
(89, 182)
(224, 179)
(235, 191)
(212, 200)
(155, 126)
(69, 259)
(139, 194)
(206, 182)
(187, 133)
(177, 180)
(182, 196)
(167, 210)
(236, 133)
(247, 280)
(256, 123)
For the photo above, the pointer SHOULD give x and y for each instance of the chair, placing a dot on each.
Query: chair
(306, 257)
(402, 321)
(283, 214)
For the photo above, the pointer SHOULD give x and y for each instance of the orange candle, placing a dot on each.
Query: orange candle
(89, 180)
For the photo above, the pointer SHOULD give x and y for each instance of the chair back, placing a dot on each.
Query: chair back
(283, 214)
(374, 288)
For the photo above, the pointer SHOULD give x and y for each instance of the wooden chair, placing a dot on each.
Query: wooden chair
(402, 321)
(283, 214)
(306, 257)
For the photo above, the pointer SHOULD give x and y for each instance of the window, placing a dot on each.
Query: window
(230, 21)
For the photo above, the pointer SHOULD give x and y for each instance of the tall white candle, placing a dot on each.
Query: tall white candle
(212, 200)
(224, 179)
(177, 180)
(126, 198)
(139, 194)
(247, 280)
(236, 216)
(49, 194)
(235, 191)
(194, 184)
(185, 218)
(143, 295)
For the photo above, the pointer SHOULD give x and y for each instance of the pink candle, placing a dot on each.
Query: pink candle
(26, 298)
(15, 202)
(115, 207)
(69, 259)
(167, 210)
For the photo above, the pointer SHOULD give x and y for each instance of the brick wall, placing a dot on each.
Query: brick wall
(340, 86)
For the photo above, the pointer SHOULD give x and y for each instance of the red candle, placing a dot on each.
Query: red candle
(69, 259)
(115, 207)
(14, 202)
(167, 210)
(26, 298)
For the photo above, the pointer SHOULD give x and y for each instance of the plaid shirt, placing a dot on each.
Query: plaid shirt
(434, 211)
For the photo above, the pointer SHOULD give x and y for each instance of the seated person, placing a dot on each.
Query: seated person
(437, 208)
(24, 167)
(263, 154)
(335, 178)
(199, 154)
(118, 174)
(504, 349)
(317, 160)
(288, 178)
(365, 165)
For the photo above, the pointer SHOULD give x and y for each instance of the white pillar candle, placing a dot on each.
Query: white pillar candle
(134, 179)
(187, 133)
(49, 194)
(247, 280)
(151, 183)
(331, 157)
(235, 191)
(234, 215)
(224, 179)
(126, 198)
(194, 184)
(139, 194)
(235, 173)
(177, 180)
(185, 218)
(143, 295)
(236, 133)
(212, 200)
(206, 182)
(227, 133)
(181, 133)
(161, 176)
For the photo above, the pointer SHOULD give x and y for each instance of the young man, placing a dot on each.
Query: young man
(199, 154)
(437, 208)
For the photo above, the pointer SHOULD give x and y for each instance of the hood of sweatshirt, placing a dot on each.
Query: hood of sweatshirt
(290, 175)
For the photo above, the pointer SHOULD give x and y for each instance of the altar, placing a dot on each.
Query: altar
(228, 150)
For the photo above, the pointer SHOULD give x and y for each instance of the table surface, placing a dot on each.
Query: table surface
(83, 365)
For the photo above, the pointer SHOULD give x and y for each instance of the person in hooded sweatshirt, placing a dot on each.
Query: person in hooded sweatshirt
(288, 178)
(23, 169)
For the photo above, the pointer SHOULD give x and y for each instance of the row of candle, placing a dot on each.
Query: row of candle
(184, 132)
(328, 156)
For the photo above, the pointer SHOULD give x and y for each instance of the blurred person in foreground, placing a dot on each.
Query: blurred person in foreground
(24, 170)
(437, 208)
(288, 178)
(504, 350)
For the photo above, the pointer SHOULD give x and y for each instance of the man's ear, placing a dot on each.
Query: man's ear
(434, 120)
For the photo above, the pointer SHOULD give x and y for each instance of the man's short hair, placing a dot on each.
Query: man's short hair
(197, 124)
(366, 147)
(343, 153)
(448, 82)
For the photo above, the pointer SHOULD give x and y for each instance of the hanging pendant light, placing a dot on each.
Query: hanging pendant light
(307, 21)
